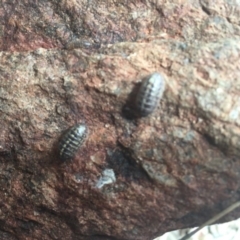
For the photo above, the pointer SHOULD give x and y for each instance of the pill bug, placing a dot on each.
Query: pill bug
(149, 94)
(72, 141)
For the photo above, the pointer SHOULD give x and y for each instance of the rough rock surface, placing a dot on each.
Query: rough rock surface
(223, 231)
(65, 62)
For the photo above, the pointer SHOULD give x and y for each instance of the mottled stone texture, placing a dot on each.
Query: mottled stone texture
(173, 169)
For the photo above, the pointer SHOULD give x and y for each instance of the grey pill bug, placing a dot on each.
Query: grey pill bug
(149, 94)
(71, 141)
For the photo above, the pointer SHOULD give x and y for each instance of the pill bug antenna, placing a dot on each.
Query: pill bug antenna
(212, 220)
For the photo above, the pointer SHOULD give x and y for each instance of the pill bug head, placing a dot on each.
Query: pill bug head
(149, 94)
(71, 141)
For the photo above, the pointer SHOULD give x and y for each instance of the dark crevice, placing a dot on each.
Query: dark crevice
(205, 9)
(210, 140)
(123, 164)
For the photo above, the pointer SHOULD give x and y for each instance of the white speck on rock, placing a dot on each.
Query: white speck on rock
(108, 177)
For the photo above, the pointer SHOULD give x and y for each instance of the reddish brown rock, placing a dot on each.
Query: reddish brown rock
(134, 178)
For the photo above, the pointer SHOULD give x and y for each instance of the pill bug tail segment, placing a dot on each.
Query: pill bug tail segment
(149, 94)
(71, 141)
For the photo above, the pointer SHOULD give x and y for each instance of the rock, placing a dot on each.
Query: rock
(172, 169)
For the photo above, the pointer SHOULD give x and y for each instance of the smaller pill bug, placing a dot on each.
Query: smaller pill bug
(72, 141)
(149, 94)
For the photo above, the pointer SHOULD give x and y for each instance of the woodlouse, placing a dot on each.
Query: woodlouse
(149, 94)
(72, 141)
